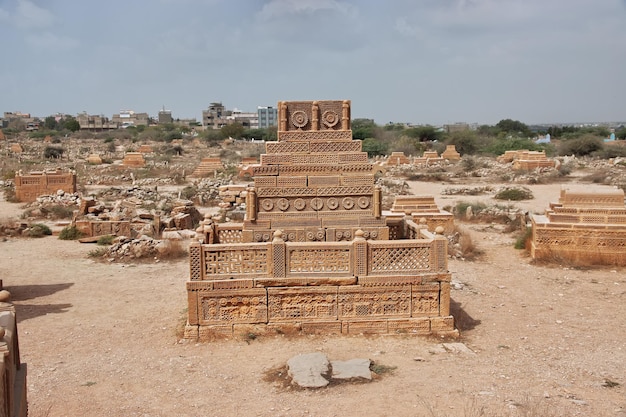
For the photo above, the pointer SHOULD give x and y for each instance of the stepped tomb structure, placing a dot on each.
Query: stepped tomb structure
(315, 253)
(208, 167)
(428, 158)
(397, 158)
(527, 160)
(584, 227)
(451, 153)
(134, 160)
(423, 210)
(36, 183)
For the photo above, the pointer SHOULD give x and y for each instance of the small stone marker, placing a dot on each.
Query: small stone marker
(306, 370)
(353, 368)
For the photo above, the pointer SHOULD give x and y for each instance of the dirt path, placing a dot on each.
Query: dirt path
(100, 340)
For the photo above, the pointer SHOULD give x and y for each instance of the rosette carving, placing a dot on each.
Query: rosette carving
(330, 118)
(299, 204)
(348, 203)
(282, 204)
(332, 203)
(299, 118)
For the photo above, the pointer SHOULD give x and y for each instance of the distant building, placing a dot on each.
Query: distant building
(165, 116)
(216, 117)
(268, 116)
(127, 118)
(20, 120)
(95, 123)
(213, 117)
(456, 127)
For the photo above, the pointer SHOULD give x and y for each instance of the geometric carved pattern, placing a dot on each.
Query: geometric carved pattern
(355, 302)
(286, 147)
(343, 191)
(398, 259)
(425, 300)
(241, 306)
(335, 147)
(325, 135)
(319, 260)
(303, 303)
(251, 261)
(285, 192)
(194, 262)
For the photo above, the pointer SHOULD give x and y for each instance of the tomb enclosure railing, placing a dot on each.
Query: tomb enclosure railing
(357, 258)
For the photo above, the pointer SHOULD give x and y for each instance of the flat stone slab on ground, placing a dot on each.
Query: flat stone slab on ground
(458, 348)
(306, 370)
(353, 368)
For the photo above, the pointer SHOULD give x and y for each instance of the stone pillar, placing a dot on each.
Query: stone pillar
(282, 116)
(444, 299)
(441, 249)
(251, 204)
(359, 257)
(195, 261)
(378, 202)
(315, 116)
(345, 115)
(279, 255)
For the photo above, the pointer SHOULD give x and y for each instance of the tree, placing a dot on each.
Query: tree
(424, 133)
(465, 142)
(50, 123)
(363, 128)
(234, 131)
(71, 124)
(513, 127)
(374, 147)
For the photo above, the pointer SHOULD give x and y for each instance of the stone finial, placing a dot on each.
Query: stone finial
(439, 230)
(5, 296)
(278, 236)
(423, 220)
(358, 235)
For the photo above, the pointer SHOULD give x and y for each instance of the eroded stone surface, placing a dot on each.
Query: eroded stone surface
(307, 370)
(353, 368)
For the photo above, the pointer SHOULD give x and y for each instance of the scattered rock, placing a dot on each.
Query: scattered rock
(353, 368)
(307, 370)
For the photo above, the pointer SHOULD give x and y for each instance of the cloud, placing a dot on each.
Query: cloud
(48, 40)
(4, 15)
(281, 8)
(30, 16)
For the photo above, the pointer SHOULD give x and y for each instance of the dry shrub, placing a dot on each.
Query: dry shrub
(172, 249)
(461, 245)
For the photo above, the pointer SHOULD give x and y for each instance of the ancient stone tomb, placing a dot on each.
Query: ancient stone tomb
(584, 227)
(34, 184)
(315, 253)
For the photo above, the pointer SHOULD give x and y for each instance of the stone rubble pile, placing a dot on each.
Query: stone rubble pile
(60, 198)
(125, 248)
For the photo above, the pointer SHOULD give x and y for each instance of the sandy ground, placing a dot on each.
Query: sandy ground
(101, 340)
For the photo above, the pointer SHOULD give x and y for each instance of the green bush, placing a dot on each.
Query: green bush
(70, 233)
(522, 241)
(514, 194)
(59, 211)
(584, 145)
(38, 230)
(106, 240)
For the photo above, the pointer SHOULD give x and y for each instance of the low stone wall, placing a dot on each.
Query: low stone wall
(30, 186)
(327, 287)
(13, 388)
(580, 244)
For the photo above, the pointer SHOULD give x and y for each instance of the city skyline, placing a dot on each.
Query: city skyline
(427, 62)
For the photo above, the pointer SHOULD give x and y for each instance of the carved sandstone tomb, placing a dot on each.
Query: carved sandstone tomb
(30, 186)
(451, 153)
(208, 167)
(134, 160)
(584, 227)
(315, 253)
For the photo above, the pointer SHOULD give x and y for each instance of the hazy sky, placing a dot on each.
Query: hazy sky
(419, 61)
